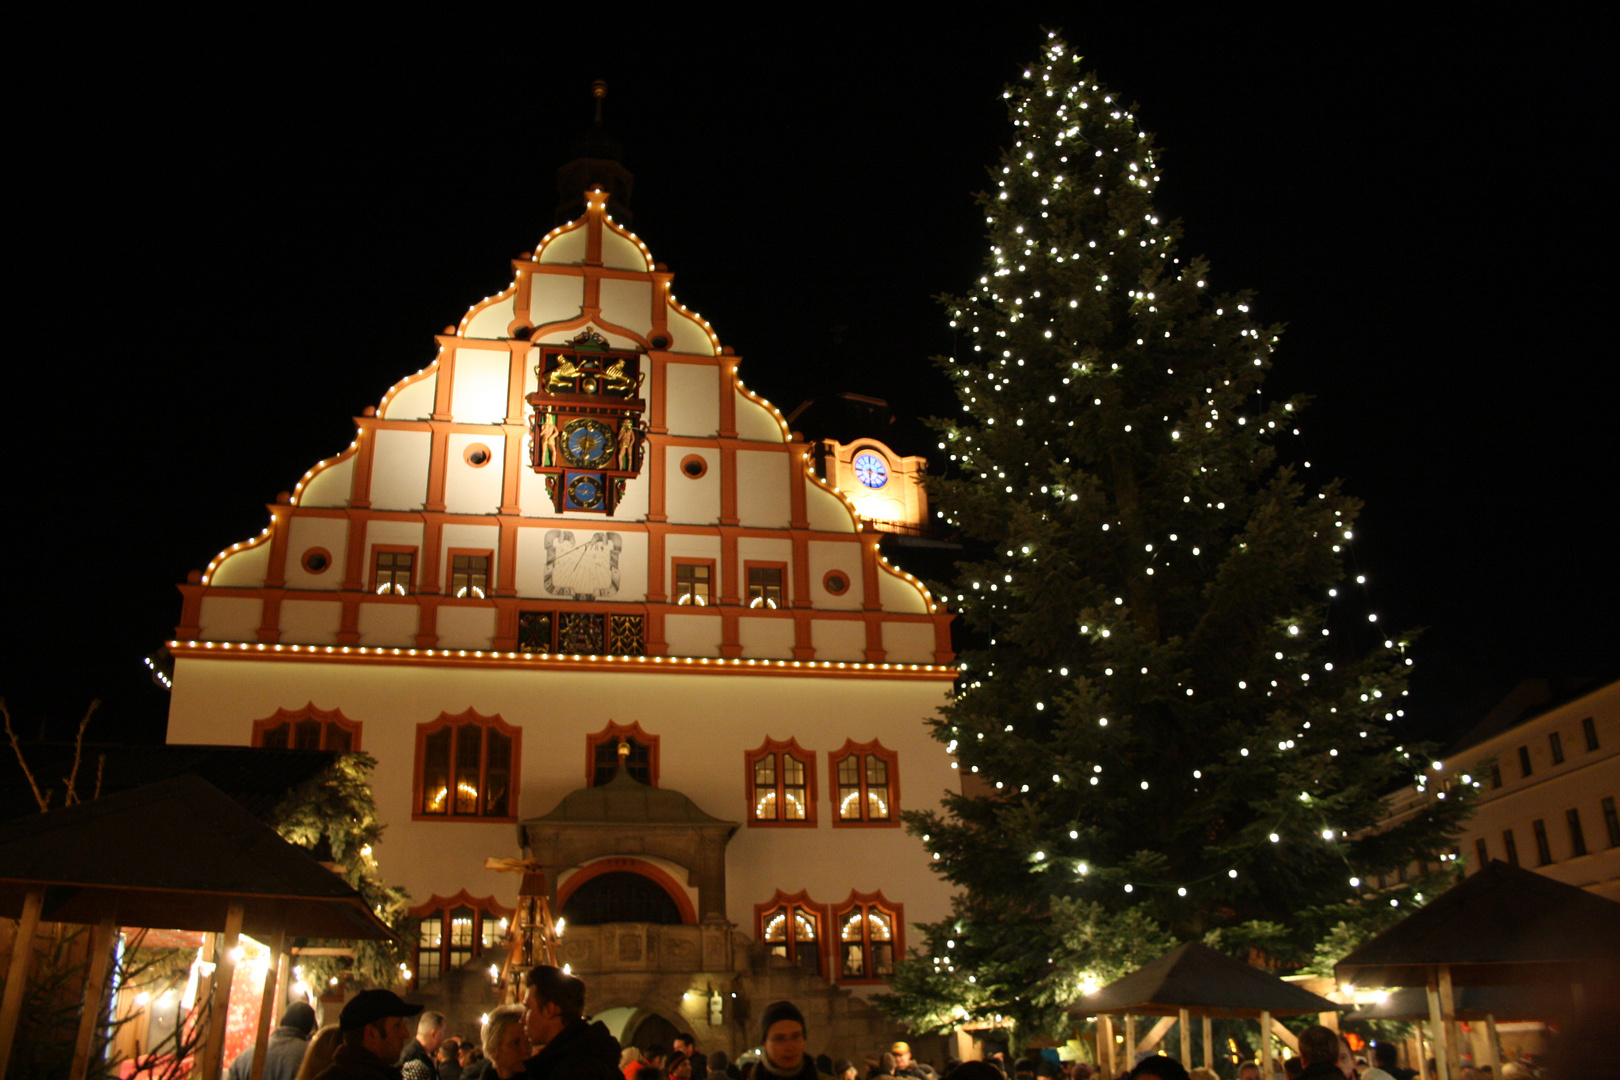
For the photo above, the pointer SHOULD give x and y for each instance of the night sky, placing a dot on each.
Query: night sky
(226, 243)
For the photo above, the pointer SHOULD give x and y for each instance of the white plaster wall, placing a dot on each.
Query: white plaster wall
(331, 486)
(465, 627)
(844, 556)
(692, 404)
(689, 546)
(399, 470)
(706, 723)
(693, 635)
(766, 636)
(620, 253)
(404, 533)
(555, 297)
(305, 532)
(468, 536)
(687, 335)
(478, 395)
(762, 549)
(310, 622)
(839, 639)
(754, 421)
(826, 512)
(895, 593)
(385, 624)
(763, 496)
(474, 489)
(492, 321)
(689, 501)
(628, 303)
(414, 402)
(567, 248)
(229, 618)
(909, 643)
(532, 497)
(244, 569)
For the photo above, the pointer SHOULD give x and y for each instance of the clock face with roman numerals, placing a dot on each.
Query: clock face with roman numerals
(871, 470)
(587, 442)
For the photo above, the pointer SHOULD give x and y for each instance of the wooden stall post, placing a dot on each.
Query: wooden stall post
(1265, 1045)
(267, 1003)
(1186, 1039)
(1105, 1048)
(209, 1062)
(1437, 1036)
(1493, 1042)
(101, 941)
(1130, 1041)
(1448, 1016)
(1209, 1043)
(22, 949)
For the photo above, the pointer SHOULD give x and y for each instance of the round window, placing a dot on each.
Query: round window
(477, 455)
(836, 582)
(694, 465)
(317, 560)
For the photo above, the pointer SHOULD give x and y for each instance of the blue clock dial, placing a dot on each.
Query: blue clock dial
(871, 470)
(586, 442)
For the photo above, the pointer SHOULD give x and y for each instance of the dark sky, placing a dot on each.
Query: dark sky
(229, 242)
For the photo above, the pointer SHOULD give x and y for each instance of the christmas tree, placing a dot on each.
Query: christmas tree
(1176, 721)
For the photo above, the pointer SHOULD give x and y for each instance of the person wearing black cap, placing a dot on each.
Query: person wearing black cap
(781, 1036)
(285, 1051)
(572, 1048)
(374, 1032)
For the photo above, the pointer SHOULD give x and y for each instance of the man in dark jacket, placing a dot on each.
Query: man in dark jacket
(423, 1049)
(285, 1051)
(781, 1035)
(686, 1047)
(374, 1033)
(1321, 1049)
(572, 1047)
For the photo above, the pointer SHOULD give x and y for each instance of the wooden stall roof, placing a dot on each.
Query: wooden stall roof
(175, 854)
(1195, 977)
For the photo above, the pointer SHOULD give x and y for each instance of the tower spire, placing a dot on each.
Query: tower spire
(597, 159)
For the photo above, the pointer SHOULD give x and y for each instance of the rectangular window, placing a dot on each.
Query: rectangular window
(1612, 820)
(1589, 729)
(694, 583)
(1482, 853)
(1524, 761)
(868, 789)
(391, 571)
(868, 937)
(469, 576)
(1496, 775)
(1510, 847)
(1577, 837)
(781, 784)
(1543, 848)
(765, 587)
(1556, 742)
(466, 767)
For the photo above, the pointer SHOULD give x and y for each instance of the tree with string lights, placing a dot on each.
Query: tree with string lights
(1177, 721)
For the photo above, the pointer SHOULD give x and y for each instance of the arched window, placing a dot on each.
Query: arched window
(792, 927)
(866, 779)
(781, 784)
(456, 931)
(870, 932)
(602, 754)
(308, 728)
(467, 767)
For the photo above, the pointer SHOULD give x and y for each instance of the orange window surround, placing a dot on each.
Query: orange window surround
(307, 728)
(781, 779)
(866, 785)
(467, 768)
(871, 933)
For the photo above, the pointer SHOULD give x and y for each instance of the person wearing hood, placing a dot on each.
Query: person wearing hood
(285, 1051)
(781, 1029)
(572, 1048)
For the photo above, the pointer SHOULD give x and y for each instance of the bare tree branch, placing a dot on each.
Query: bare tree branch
(43, 800)
(72, 777)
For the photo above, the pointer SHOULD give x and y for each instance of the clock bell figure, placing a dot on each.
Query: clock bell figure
(586, 434)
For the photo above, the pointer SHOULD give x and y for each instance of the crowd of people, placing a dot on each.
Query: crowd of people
(548, 1037)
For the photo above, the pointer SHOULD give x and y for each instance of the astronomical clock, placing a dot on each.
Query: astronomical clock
(586, 431)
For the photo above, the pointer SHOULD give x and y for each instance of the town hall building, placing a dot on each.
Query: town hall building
(589, 602)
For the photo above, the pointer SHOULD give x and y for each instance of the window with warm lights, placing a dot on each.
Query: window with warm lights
(469, 576)
(694, 583)
(308, 728)
(620, 744)
(456, 932)
(392, 569)
(791, 927)
(781, 784)
(866, 784)
(765, 586)
(466, 768)
(869, 929)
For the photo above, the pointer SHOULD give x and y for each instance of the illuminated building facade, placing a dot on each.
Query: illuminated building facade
(583, 597)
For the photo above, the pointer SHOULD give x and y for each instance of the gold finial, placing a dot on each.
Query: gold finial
(624, 750)
(599, 91)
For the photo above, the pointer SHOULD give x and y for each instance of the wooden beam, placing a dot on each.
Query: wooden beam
(1286, 1037)
(1265, 1045)
(1437, 1038)
(1209, 1043)
(1155, 1036)
(102, 936)
(1448, 1016)
(22, 950)
(1130, 1041)
(1493, 1042)
(209, 1062)
(1186, 1038)
(267, 1002)
(1105, 1049)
